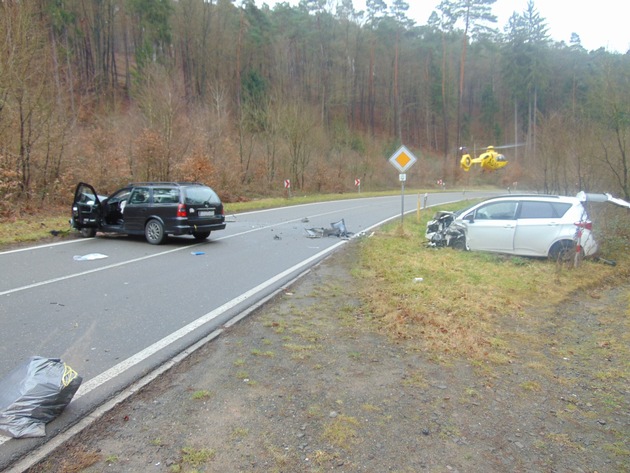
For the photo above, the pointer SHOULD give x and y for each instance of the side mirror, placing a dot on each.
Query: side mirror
(469, 217)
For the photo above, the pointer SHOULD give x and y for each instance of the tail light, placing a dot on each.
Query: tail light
(587, 225)
(181, 210)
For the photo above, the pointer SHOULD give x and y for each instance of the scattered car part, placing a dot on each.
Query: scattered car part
(89, 257)
(337, 229)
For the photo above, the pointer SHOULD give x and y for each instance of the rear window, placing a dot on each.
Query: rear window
(201, 195)
(530, 209)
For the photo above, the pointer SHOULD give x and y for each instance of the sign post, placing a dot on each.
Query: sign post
(357, 184)
(402, 160)
(287, 186)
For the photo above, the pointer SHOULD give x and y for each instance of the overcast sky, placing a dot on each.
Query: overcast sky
(601, 23)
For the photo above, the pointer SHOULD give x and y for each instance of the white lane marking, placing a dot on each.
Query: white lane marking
(182, 332)
(317, 203)
(135, 260)
(39, 247)
(142, 355)
(95, 270)
(284, 222)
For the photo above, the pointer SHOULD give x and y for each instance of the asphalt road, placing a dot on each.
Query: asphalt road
(117, 318)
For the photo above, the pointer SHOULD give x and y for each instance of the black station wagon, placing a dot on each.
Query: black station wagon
(152, 209)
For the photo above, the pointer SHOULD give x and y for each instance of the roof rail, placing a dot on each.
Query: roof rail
(166, 183)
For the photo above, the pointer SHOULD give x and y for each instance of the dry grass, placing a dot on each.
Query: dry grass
(341, 431)
(455, 308)
(32, 228)
(77, 461)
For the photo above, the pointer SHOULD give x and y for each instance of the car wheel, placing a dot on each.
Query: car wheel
(88, 232)
(562, 251)
(201, 235)
(154, 232)
(459, 244)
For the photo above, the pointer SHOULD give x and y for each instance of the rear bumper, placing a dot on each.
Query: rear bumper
(589, 246)
(190, 229)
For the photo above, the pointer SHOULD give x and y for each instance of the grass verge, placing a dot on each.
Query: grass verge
(446, 301)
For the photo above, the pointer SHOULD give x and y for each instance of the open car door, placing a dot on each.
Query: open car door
(86, 209)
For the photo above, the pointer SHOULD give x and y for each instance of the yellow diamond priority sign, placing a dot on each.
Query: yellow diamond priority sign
(402, 159)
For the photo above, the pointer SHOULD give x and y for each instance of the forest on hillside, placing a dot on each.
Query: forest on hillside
(243, 97)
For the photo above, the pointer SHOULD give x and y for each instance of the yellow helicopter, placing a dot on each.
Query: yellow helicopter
(490, 160)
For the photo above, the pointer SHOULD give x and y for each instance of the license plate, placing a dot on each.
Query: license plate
(206, 213)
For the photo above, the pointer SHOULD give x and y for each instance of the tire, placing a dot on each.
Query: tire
(154, 232)
(201, 235)
(88, 232)
(459, 244)
(562, 251)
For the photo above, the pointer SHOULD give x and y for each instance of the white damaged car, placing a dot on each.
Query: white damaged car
(524, 225)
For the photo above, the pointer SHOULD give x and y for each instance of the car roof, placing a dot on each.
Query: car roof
(167, 183)
(563, 198)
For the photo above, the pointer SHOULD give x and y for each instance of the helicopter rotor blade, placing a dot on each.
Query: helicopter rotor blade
(515, 145)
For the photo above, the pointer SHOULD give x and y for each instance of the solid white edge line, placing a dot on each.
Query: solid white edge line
(187, 329)
(41, 452)
(41, 247)
(204, 319)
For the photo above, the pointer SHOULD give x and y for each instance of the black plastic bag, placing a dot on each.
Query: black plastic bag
(35, 393)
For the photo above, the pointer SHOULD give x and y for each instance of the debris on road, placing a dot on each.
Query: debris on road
(90, 257)
(35, 393)
(337, 229)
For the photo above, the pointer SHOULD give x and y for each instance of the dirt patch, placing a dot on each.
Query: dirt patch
(309, 384)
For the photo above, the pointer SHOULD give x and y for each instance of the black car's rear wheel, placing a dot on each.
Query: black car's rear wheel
(88, 232)
(201, 235)
(154, 232)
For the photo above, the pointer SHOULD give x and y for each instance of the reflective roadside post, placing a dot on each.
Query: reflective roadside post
(402, 177)
(402, 160)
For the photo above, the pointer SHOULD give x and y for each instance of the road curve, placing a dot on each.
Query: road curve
(117, 318)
